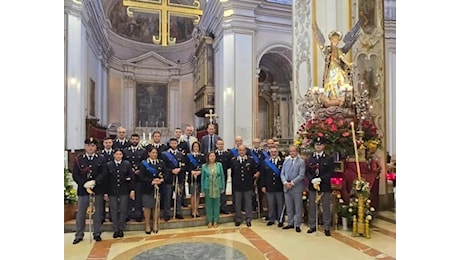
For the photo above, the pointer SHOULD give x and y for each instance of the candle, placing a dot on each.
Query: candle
(163, 123)
(139, 123)
(156, 124)
(146, 123)
(143, 136)
(150, 135)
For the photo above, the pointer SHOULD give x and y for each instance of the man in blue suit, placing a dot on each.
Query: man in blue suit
(293, 179)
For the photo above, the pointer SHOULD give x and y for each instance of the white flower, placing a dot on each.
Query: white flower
(356, 200)
(368, 201)
(338, 196)
(351, 204)
(304, 197)
(369, 217)
(350, 210)
(372, 209)
(341, 201)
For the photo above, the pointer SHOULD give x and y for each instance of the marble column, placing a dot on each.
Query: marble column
(76, 83)
(128, 102)
(235, 77)
(174, 106)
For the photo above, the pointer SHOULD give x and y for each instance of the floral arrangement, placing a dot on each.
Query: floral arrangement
(361, 188)
(339, 135)
(351, 209)
(70, 194)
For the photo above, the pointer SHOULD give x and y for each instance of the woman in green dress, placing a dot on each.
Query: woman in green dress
(212, 183)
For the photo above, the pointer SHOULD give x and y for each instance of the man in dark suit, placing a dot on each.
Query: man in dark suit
(208, 142)
(182, 146)
(108, 150)
(223, 156)
(90, 174)
(320, 168)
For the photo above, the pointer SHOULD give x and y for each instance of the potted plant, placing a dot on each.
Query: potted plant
(70, 197)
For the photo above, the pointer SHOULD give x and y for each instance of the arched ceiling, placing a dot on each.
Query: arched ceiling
(144, 25)
(277, 63)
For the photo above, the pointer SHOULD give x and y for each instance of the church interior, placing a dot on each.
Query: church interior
(286, 71)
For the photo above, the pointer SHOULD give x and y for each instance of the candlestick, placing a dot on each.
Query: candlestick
(139, 123)
(163, 124)
(150, 135)
(358, 169)
(146, 123)
(143, 136)
(156, 124)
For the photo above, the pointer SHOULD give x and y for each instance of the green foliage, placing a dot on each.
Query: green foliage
(70, 194)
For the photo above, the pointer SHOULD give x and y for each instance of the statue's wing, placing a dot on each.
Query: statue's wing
(318, 34)
(351, 37)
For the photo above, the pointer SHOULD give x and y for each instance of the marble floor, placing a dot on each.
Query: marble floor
(230, 242)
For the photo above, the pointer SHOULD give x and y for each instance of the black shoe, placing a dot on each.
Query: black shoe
(148, 232)
(120, 234)
(237, 224)
(167, 219)
(97, 238)
(288, 227)
(179, 216)
(197, 215)
(77, 240)
(280, 224)
(269, 223)
(327, 232)
(297, 229)
(311, 230)
(248, 224)
(224, 212)
(115, 234)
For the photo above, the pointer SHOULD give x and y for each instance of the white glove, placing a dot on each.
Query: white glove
(89, 184)
(316, 180)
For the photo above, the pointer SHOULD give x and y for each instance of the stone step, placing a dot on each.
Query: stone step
(389, 216)
(188, 221)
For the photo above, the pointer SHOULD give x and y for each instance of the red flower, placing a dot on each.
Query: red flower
(329, 121)
(320, 134)
(345, 134)
(333, 128)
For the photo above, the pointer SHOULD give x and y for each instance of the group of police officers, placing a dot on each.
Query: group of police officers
(115, 175)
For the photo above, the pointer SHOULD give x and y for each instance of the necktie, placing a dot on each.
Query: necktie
(188, 141)
(90, 158)
(292, 161)
(210, 143)
(117, 164)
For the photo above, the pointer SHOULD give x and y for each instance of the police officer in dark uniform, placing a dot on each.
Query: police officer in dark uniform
(134, 155)
(272, 186)
(258, 156)
(223, 156)
(107, 151)
(153, 171)
(175, 161)
(320, 168)
(89, 172)
(121, 142)
(182, 145)
(120, 188)
(156, 142)
(243, 169)
(195, 159)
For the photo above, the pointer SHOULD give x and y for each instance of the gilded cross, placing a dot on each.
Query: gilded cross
(166, 9)
(211, 116)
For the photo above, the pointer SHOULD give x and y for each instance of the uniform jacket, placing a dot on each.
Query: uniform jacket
(147, 177)
(269, 179)
(85, 170)
(243, 173)
(325, 165)
(119, 178)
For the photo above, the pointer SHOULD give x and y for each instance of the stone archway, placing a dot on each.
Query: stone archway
(274, 119)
